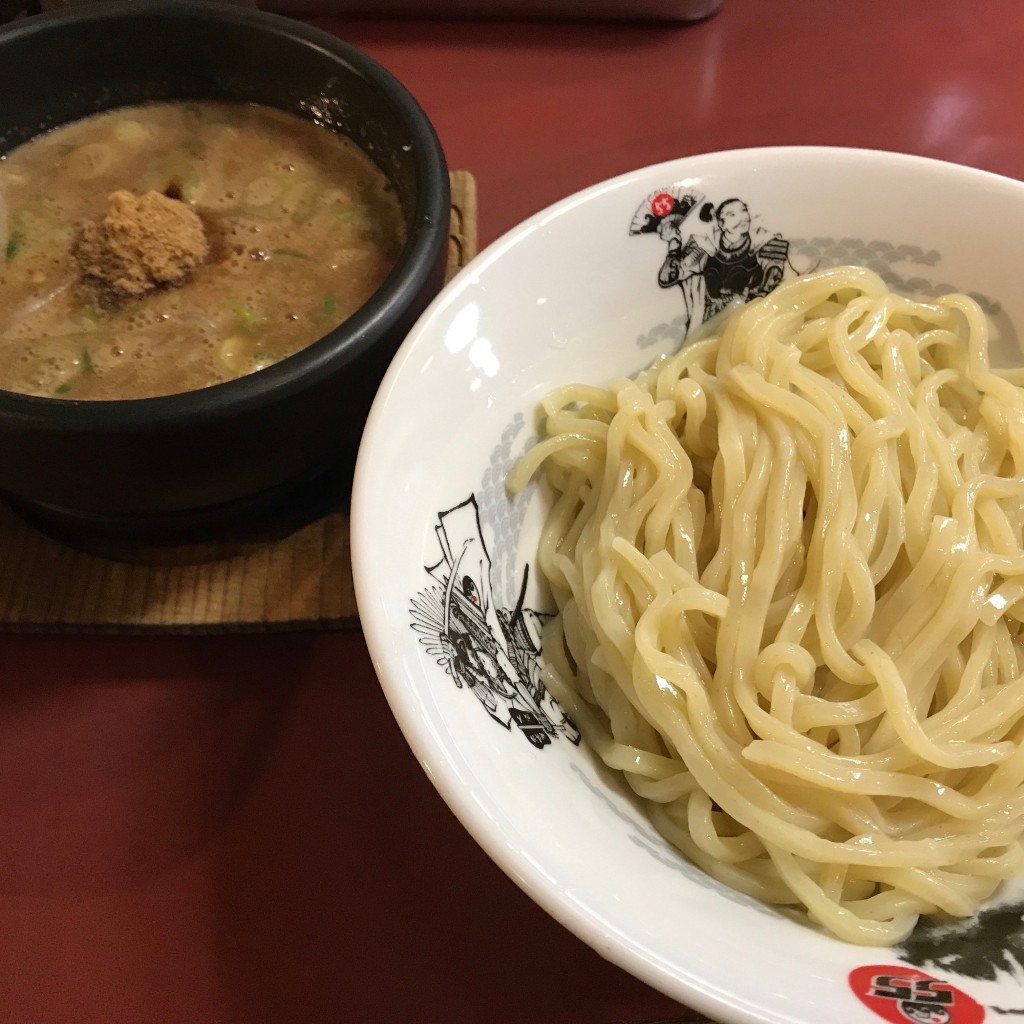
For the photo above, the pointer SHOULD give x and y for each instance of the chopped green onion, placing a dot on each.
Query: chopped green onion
(351, 215)
(296, 254)
(263, 359)
(329, 305)
(63, 389)
(251, 320)
(190, 185)
(87, 363)
(14, 245)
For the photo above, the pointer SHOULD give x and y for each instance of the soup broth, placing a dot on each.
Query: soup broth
(302, 229)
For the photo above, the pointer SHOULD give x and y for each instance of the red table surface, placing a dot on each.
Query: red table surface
(231, 829)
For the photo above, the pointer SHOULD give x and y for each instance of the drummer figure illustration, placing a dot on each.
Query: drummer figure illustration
(729, 260)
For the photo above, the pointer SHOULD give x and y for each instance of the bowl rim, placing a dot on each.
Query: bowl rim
(428, 232)
(435, 757)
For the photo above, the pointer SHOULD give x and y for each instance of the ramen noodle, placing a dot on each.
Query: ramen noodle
(788, 567)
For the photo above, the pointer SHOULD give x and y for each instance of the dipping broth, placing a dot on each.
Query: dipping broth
(302, 228)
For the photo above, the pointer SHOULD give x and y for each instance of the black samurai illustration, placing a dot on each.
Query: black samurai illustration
(716, 256)
(490, 651)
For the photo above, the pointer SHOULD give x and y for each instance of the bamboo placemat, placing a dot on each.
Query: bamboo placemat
(301, 581)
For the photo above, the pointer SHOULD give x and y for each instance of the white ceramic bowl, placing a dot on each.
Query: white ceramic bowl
(573, 294)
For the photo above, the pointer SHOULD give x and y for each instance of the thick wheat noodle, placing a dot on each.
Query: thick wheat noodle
(788, 563)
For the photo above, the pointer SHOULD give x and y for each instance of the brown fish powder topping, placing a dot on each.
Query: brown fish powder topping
(140, 244)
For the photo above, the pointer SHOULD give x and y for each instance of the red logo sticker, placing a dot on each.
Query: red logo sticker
(662, 204)
(901, 994)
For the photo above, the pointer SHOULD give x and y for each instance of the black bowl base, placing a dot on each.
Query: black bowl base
(197, 535)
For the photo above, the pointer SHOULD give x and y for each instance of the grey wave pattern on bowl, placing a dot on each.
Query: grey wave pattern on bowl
(502, 515)
(647, 839)
(882, 257)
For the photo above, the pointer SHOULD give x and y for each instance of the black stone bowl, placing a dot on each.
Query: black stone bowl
(272, 449)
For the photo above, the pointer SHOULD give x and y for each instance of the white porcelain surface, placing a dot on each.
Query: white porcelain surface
(572, 295)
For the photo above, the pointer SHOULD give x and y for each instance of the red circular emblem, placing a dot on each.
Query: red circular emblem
(662, 204)
(901, 994)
